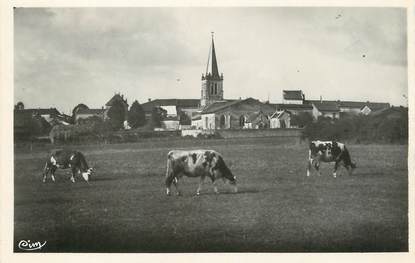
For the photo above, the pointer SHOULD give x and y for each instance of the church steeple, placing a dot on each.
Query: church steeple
(212, 82)
(213, 69)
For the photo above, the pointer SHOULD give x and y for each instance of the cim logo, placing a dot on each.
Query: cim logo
(28, 245)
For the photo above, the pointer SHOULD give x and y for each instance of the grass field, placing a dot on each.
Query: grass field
(278, 209)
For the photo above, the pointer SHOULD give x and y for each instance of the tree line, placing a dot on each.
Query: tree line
(388, 127)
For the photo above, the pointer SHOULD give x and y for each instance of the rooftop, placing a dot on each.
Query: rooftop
(331, 106)
(90, 111)
(182, 103)
(293, 94)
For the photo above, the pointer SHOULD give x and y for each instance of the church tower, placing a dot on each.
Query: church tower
(212, 82)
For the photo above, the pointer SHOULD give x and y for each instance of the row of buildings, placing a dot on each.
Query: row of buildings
(213, 111)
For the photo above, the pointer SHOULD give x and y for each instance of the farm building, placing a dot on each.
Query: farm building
(295, 108)
(87, 113)
(328, 109)
(175, 106)
(293, 97)
(280, 119)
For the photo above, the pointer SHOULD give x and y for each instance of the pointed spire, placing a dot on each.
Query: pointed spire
(213, 69)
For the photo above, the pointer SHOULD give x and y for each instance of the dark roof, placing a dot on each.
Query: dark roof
(214, 107)
(294, 106)
(51, 111)
(116, 97)
(292, 94)
(326, 106)
(361, 105)
(182, 103)
(90, 111)
(219, 105)
(374, 106)
(398, 111)
(278, 114)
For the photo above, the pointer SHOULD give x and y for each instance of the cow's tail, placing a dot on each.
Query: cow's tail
(169, 167)
(169, 173)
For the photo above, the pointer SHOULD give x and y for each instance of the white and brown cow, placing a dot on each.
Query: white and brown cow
(329, 151)
(65, 159)
(197, 163)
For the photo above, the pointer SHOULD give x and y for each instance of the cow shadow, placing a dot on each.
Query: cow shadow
(230, 192)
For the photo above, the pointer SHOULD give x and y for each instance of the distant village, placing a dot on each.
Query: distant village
(209, 112)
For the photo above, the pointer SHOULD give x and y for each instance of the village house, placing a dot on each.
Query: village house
(328, 109)
(88, 113)
(280, 119)
(293, 97)
(81, 111)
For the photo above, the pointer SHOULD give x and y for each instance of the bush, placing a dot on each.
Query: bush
(360, 128)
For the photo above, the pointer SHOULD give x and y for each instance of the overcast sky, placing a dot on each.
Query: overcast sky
(65, 56)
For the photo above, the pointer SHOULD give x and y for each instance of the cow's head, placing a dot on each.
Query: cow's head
(315, 148)
(226, 173)
(87, 175)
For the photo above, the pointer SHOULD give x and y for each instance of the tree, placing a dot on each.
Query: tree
(136, 115)
(184, 119)
(301, 120)
(19, 106)
(116, 115)
(157, 115)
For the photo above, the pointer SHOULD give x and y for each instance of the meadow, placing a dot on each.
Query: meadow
(277, 208)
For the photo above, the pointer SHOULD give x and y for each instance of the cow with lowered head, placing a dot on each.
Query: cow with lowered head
(67, 159)
(329, 151)
(197, 163)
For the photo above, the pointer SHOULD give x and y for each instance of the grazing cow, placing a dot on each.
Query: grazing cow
(197, 163)
(329, 151)
(65, 159)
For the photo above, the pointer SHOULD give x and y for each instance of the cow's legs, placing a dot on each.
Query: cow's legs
(215, 187)
(176, 184)
(45, 172)
(336, 166)
(74, 171)
(317, 166)
(169, 180)
(202, 179)
(309, 163)
(52, 173)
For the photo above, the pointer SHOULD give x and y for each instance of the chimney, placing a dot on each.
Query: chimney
(149, 99)
(321, 99)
